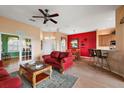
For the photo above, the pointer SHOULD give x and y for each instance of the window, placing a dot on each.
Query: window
(52, 42)
(63, 44)
(49, 44)
(13, 44)
(50, 37)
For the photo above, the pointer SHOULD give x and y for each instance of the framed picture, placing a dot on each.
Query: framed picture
(74, 43)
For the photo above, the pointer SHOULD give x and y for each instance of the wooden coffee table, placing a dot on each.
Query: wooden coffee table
(35, 76)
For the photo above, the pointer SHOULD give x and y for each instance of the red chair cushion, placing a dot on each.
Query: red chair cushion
(6, 81)
(12, 82)
(1, 63)
(2, 76)
(55, 54)
(3, 72)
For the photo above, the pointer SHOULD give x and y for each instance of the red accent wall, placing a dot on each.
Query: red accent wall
(86, 40)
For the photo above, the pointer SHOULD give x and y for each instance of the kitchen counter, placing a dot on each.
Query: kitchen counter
(116, 61)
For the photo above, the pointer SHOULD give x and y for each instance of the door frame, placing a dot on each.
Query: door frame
(32, 58)
(20, 46)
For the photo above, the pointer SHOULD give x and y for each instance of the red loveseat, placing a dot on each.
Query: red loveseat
(6, 81)
(59, 60)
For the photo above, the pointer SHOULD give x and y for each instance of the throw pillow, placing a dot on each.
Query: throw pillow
(63, 55)
(55, 54)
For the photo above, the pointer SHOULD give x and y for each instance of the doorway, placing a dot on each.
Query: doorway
(9, 49)
(15, 49)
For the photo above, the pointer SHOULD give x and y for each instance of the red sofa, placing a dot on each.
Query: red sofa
(59, 60)
(6, 81)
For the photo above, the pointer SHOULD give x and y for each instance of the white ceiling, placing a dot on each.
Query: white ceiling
(72, 19)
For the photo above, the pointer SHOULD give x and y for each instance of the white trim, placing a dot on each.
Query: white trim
(13, 51)
(1, 40)
(21, 48)
(9, 33)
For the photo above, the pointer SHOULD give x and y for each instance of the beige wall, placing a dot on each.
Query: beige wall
(25, 30)
(103, 32)
(116, 58)
(120, 28)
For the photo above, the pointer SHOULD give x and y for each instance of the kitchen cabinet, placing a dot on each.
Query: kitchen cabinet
(104, 40)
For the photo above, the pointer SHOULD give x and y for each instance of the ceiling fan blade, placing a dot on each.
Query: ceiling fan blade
(44, 21)
(37, 16)
(53, 15)
(42, 12)
(53, 21)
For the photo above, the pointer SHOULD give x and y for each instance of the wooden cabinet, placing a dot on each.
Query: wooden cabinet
(104, 40)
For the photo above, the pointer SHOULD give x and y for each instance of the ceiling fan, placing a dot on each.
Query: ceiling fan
(47, 16)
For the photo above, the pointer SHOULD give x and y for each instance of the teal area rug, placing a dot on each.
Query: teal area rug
(57, 81)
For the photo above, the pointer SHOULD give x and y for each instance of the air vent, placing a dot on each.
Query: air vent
(32, 20)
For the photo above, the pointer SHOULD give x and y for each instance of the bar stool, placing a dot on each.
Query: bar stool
(102, 56)
(92, 54)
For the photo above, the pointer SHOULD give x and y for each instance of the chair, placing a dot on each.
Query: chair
(6, 80)
(76, 53)
(92, 54)
(102, 56)
(5, 56)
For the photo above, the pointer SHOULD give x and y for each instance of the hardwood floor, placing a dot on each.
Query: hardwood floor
(88, 76)
(10, 61)
(94, 77)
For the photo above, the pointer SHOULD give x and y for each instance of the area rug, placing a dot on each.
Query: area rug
(57, 81)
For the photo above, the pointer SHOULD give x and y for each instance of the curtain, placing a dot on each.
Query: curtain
(49, 45)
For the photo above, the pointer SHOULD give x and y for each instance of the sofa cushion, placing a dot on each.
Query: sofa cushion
(55, 54)
(1, 63)
(3, 72)
(6, 81)
(2, 76)
(52, 61)
(63, 55)
(11, 82)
